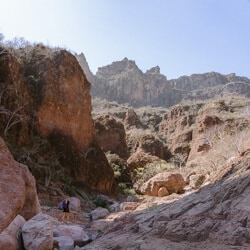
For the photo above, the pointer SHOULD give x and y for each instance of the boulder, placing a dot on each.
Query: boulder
(10, 237)
(99, 213)
(63, 243)
(75, 204)
(76, 233)
(37, 233)
(114, 207)
(174, 183)
(17, 189)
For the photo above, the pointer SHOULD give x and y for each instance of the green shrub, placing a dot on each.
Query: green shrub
(129, 191)
(100, 202)
(117, 170)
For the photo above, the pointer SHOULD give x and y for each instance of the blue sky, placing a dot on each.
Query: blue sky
(182, 37)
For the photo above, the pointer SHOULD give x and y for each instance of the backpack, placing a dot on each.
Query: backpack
(64, 204)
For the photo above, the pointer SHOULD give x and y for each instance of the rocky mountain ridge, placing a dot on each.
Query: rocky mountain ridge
(123, 82)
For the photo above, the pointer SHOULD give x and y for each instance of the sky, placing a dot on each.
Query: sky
(182, 37)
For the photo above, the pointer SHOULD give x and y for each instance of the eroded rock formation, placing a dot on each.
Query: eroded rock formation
(111, 136)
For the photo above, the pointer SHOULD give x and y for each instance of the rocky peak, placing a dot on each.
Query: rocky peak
(154, 70)
(234, 78)
(117, 68)
(199, 81)
(85, 66)
(123, 82)
(132, 119)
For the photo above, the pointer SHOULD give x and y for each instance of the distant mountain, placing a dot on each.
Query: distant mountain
(123, 82)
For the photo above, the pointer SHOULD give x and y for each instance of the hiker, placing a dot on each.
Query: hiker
(66, 209)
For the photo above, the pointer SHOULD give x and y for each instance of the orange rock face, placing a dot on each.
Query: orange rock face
(64, 117)
(66, 105)
(50, 95)
(17, 189)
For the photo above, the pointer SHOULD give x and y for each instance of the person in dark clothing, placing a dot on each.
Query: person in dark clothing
(66, 209)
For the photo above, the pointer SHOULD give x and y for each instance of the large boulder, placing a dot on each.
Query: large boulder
(75, 204)
(37, 233)
(76, 233)
(17, 189)
(172, 182)
(10, 237)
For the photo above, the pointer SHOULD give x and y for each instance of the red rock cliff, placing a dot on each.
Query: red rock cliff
(58, 107)
(64, 117)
